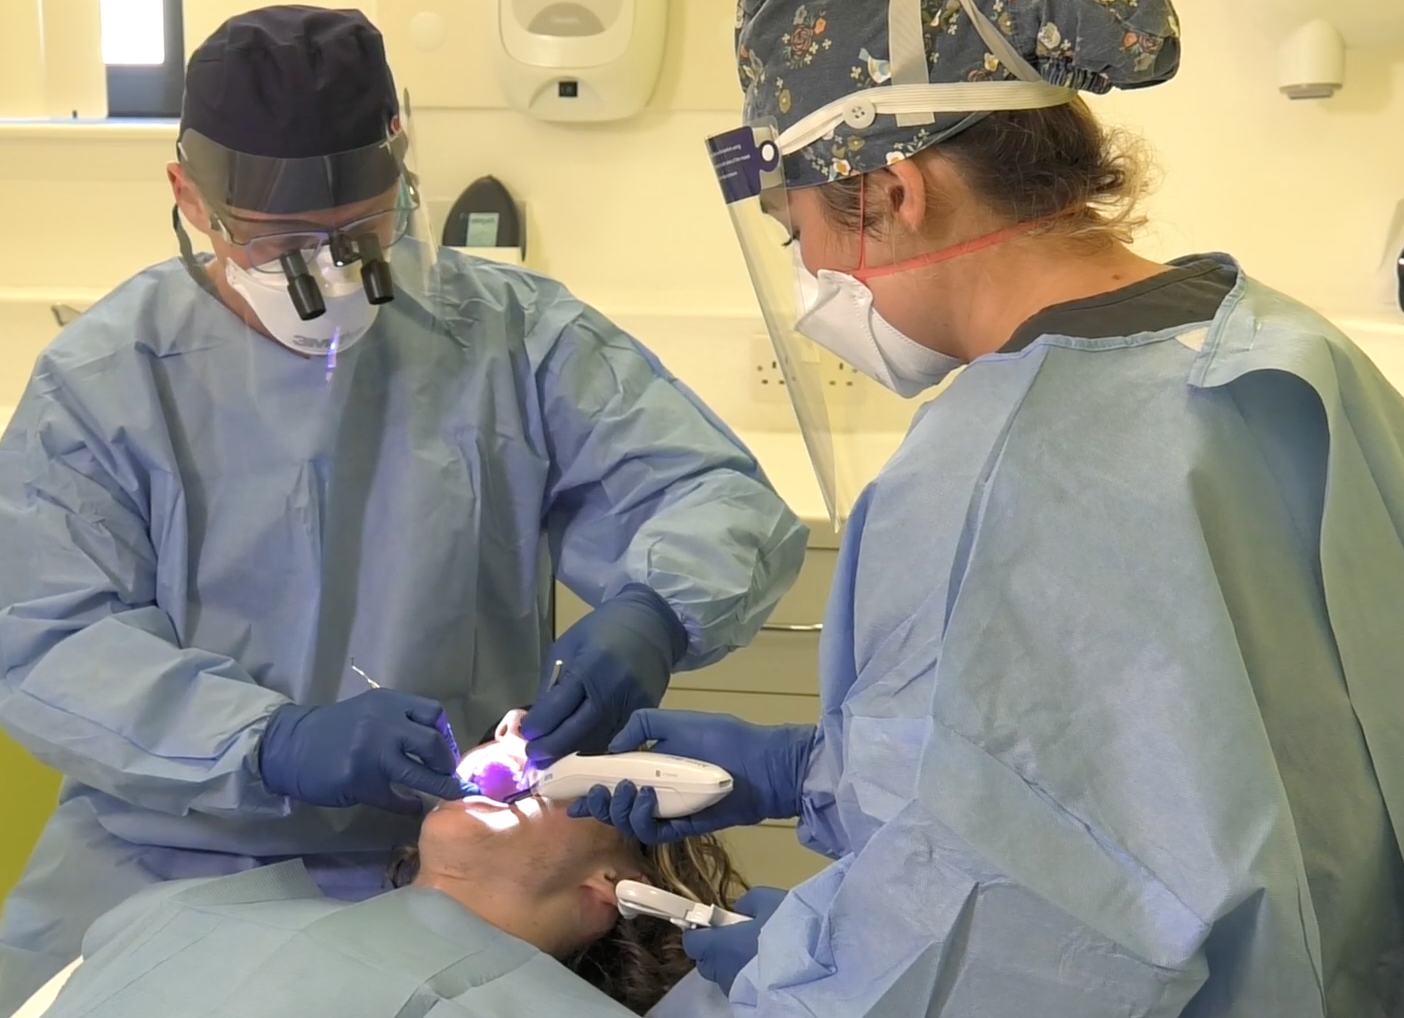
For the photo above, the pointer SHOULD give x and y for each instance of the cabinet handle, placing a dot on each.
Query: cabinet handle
(776, 627)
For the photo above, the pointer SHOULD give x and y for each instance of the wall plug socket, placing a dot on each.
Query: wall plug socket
(843, 384)
(767, 380)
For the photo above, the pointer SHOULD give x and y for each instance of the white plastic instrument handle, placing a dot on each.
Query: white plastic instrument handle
(635, 898)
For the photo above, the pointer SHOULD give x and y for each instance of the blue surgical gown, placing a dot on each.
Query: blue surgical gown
(197, 527)
(268, 944)
(1113, 693)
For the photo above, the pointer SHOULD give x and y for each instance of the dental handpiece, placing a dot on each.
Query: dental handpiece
(682, 786)
(636, 899)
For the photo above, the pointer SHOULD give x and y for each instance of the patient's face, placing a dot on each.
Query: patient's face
(499, 766)
(530, 842)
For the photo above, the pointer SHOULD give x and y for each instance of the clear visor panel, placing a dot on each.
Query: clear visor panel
(265, 187)
(417, 253)
(343, 210)
(833, 404)
(763, 228)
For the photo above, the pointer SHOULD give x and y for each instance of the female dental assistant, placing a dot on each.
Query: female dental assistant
(1111, 713)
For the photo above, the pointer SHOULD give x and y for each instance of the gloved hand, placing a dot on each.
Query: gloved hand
(767, 764)
(721, 952)
(349, 753)
(618, 659)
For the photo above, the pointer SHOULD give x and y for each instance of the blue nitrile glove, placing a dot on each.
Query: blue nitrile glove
(349, 753)
(618, 659)
(721, 952)
(767, 764)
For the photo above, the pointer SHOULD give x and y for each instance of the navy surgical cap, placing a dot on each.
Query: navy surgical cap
(291, 82)
(290, 110)
(797, 56)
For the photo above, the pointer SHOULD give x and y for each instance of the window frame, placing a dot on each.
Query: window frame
(151, 91)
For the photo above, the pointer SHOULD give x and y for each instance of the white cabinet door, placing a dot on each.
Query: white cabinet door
(770, 854)
(761, 708)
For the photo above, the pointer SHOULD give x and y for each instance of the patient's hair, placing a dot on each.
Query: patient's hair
(641, 959)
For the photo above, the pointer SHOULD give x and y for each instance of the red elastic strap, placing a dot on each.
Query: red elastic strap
(863, 273)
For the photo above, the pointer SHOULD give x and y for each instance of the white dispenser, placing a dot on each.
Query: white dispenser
(580, 60)
(1312, 62)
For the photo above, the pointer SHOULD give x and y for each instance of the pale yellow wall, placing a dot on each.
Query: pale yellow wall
(1302, 192)
(629, 215)
(21, 59)
(28, 798)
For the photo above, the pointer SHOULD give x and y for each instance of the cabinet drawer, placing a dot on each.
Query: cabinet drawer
(759, 708)
(773, 663)
(771, 855)
(802, 606)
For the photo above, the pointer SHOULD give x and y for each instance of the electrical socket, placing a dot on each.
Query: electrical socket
(842, 385)
(767, 380)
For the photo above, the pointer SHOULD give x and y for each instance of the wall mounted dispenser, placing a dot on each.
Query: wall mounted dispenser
(580, 60)
(1312, 62)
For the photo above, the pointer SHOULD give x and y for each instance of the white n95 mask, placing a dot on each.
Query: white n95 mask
(348, 315)
(836, 311)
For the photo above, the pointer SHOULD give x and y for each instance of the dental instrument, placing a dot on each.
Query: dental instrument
(429, 801)
(683, 786)
(371, 681)
(636, 899)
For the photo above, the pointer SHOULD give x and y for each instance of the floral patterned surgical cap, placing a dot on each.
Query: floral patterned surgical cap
(797, 56)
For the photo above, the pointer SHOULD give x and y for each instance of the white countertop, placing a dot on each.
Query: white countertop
(785, 460)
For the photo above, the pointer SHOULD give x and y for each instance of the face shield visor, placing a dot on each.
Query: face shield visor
(851, 424)
(319, 244)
